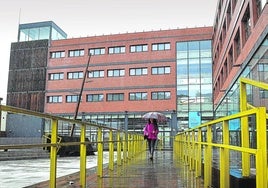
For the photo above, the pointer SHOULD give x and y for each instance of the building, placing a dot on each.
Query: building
(28, 64)
(120, 77)
(133, 73)
(240, 49)
(191, 75)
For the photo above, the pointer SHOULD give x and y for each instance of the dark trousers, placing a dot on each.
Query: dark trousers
(151, 145)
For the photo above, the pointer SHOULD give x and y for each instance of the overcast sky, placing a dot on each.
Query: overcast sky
(80, 18)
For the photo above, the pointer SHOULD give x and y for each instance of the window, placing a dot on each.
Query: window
(117, 50)
(76, 53)
(97, 51)
(205, 48)
(138, 71)
(138, 96)
(262, 67)
(160, 46)
(96, 74)
(160, 70)
(246, 24)
(228, 15)
(75, 75)
(182, 47)
(54, 55)
(115, 97)
(230, 57)
(72, 98)
(161, 95)
(55, 76)
(116, 73)
(237, 46)
(54, 99)
(263, 94)
(260, 5)
(194, 49)
(139, 48)
(94, 97)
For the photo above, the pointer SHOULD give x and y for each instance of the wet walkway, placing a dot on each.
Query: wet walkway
(139, 172)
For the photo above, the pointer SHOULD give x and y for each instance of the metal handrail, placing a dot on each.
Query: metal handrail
(195, 146)
(128, 144)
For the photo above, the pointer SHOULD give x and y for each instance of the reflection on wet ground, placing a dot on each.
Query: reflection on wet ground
(162, 171)
(140, 172)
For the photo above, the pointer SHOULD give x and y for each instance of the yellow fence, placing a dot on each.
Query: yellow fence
(127, 144)
(197, 146)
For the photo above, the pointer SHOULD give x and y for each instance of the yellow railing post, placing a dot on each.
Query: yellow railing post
(187, 148)
(83, 156)
(119, 155)
(190, 150)
(129, 143)
(198, 168)
(100, 153)
(133, 144)
(111, 151)
(224, 158)
(208, 159)
(184, 147)
(135, 138)
(125, 147)
(53, 153)
(261, 156)
(244, 131)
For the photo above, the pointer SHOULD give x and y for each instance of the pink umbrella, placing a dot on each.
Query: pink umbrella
(155, 115)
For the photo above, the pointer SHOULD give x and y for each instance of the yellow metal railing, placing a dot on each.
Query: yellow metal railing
(196, 146)
(132, 144)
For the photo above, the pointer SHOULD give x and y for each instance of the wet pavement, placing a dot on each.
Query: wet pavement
(138, 172)
(24, 173)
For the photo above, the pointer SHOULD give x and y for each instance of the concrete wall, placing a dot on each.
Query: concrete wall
(24, 126)
(20, 140)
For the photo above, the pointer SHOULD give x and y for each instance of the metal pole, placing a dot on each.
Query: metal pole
(80, 94)
(126, 121)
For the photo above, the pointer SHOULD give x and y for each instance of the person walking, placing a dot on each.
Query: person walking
(151, 131)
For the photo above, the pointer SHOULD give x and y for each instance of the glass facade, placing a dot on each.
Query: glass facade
(194, 83)
(39, 31)
(256, 69)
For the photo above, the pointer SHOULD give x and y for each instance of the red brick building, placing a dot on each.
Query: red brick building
(169, 71)
(127, 75)
(239, 50)
(141, 85)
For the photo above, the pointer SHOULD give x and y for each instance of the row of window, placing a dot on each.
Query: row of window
(111, 50)
(133, 96)
(250, 16)
(110, 73)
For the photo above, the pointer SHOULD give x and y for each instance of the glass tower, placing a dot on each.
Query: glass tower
(39, 31)
(194, 83)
